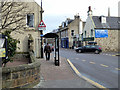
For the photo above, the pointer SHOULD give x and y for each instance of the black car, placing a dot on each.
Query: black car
(89, 48)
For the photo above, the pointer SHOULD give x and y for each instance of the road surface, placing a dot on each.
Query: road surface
(101, 68)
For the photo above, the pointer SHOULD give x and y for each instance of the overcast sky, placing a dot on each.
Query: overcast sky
(56, 11)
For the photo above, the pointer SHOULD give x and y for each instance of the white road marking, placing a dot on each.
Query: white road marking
(83, 60)
(92, 63)
(103, 65)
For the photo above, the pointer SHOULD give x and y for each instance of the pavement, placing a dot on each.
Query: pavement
(62, 76)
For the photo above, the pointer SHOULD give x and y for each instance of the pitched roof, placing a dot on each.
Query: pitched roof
(69, 21)
(111, 22)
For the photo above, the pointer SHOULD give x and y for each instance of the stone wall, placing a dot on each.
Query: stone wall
(22, 76)
(110, 44)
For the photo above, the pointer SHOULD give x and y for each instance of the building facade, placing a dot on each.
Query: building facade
(104, 30)
(32, 18)
(70, 31)
(32, 21)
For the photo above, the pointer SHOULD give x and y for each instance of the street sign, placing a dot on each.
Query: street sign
(42, 25)
(41, 35)
(100, 33)
(3, 46)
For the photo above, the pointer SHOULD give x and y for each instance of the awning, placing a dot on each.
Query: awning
(51, 35)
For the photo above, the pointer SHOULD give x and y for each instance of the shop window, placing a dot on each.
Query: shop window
(91, 32)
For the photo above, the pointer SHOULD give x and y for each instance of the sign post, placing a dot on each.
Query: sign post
(41, 27)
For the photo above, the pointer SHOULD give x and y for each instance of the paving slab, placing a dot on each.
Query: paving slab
(60, 76)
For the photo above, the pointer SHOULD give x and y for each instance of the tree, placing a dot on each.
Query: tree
(11, 47)
(12, 18)
(13, 15)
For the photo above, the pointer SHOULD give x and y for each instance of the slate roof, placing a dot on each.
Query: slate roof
(69, 21)
(111, 23)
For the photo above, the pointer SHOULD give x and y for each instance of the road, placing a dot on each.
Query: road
(101, 68)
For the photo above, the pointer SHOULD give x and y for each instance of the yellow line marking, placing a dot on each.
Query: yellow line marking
(92, 62)
(90, 81)
(104, 65)
(76, 71)
(83, 60)
(117, 68)
(113, 55)
(96, 84)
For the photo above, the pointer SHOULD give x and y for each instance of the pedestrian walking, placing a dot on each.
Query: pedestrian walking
(47, 51)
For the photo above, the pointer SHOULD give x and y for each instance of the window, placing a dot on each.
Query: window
(91, 32)
(85, 34)
(63, 24)
(88, 46)
(93, 46)
(66, 22)
(30, 20)
(72, 32)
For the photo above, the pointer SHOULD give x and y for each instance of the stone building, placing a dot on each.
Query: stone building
(32, 19)
(70, 31)
(104, 30)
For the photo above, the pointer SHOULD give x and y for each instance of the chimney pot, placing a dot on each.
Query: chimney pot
(89, 8)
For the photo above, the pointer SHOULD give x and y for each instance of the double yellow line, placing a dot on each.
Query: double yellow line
(87, 79)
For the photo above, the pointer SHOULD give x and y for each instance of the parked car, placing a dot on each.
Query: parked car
(89, 48)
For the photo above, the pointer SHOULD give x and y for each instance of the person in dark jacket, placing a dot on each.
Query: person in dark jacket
(47, 51)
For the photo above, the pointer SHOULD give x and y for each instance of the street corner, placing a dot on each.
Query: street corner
(85, 78)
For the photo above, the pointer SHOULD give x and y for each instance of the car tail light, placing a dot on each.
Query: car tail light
(99, 48)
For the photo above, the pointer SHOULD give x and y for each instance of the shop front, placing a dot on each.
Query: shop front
(64, 43)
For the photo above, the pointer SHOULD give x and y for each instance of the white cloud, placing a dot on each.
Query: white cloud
(68, 8)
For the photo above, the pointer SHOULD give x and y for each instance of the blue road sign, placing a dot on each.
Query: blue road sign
(100, 33)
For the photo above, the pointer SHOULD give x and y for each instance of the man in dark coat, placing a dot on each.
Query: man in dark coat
(47, 51)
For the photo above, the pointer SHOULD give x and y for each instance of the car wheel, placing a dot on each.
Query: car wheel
(80, 51)
(97, 52)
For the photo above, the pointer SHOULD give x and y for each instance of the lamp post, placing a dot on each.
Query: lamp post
(41, 32)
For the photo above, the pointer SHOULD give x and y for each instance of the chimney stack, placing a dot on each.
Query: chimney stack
(77, 16)
(89, 11)
(89, 8)
(109, 12)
